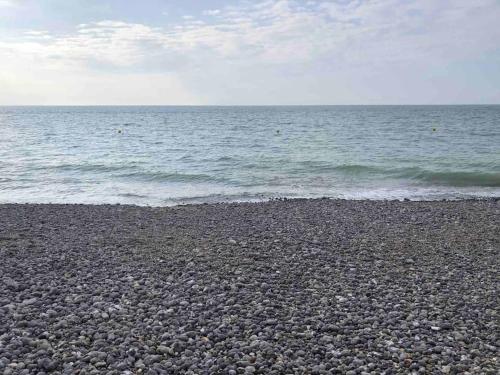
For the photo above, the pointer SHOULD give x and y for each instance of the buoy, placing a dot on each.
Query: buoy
(433, 129)
(119, 130)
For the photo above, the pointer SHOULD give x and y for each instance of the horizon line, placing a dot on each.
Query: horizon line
(243, 105)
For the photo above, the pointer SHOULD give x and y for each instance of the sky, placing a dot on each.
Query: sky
(261, 52)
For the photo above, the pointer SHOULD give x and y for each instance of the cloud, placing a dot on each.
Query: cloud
(285, 32)
(318, 41)
(6, 3)
(211, 12)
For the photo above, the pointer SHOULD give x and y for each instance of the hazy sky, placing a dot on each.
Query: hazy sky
(249, 52)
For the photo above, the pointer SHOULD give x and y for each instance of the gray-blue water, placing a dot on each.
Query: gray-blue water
(172, 155)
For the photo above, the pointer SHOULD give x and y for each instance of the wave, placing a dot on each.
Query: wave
(416, 174)
(309, 170)
(354, 169)
(453, 178)
(321, 168)
(445, 178)
(173, 177)
(132, 195)
(85, 167)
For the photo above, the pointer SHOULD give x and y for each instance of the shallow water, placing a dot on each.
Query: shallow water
(171, 155)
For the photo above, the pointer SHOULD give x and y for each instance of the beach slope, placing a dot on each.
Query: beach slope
(294, 286)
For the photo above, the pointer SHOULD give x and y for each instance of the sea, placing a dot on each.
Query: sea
(170, 155)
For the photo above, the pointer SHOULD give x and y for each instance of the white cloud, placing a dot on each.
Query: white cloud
(281, 32)
(320, 41)
(6, 3)
(211, 12)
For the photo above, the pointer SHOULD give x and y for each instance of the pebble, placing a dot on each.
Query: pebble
(310, 286)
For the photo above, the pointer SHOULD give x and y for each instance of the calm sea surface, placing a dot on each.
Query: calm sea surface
(172, 155)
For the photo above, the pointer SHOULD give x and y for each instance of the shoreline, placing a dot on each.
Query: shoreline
(263, 201)
(281, 286)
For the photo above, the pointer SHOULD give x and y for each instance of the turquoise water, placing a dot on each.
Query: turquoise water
(171, 155)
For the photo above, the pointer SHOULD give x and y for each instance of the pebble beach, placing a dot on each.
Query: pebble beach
(281, 287)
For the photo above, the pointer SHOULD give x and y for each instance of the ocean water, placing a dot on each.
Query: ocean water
(174, 155)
